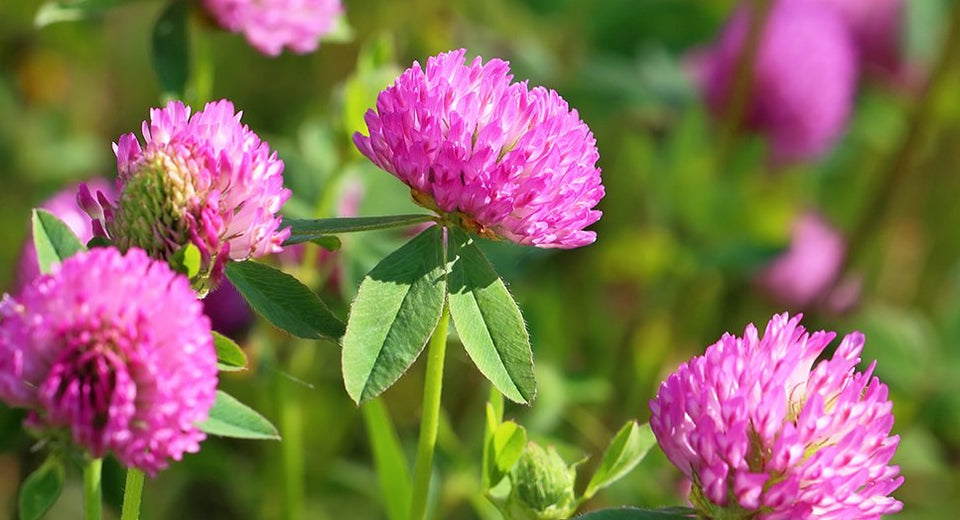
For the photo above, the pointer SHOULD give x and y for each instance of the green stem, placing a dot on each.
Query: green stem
(92, 499)
(742, 87)
(132, 492)
(923, 122)
(290, 419)
(429, 424)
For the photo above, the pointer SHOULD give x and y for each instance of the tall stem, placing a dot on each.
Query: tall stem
(132, 492)
(904, 160)
(92, 499)
(430, 421)
(740, 90)
(290, 418)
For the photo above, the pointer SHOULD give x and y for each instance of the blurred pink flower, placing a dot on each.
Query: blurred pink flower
(804, 80)
(493, 156)
(205, 180)
(762, 433)
(64, 205)
(271, 25)
(89, 347)
(808, 270)
(875, 25)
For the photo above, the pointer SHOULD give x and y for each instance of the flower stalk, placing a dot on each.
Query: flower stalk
(430, 421)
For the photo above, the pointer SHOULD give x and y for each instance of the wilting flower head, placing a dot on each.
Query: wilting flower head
(115, 349)
(804, 77)
(64, 205)
(808, 269)
(761, 435)
(271, 25)
(205, 180)
(495, 157)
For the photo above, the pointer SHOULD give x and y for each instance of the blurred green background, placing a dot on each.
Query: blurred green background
(678, 247)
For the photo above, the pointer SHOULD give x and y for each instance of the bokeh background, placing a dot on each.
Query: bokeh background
(691, 219)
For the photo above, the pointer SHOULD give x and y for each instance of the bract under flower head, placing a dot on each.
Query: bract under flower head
(203, 179)
(761, 435)
(804, 77)
(495, 157)
(271, 25)
(114, 348)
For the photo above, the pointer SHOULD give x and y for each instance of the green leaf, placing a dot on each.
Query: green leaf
(305, 230)
(230, 357)
(72, 10)
(186, 261)
(171, 49)
(231, 418)
(284, 301)
(390, 460)
(507, 445)
(53, 240)
(630, 513)
(98, 242)
(41, 489)
(628, 447)
(396, 310)
(329, 242)
(489, 323)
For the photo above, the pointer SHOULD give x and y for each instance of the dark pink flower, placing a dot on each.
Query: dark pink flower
(203, 179)
(115, 349)
(804, 81)
(763, 433)
(493, 156)
(271, 25)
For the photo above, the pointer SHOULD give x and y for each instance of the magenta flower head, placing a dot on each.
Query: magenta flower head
(64, 205)
(495, 157)
(271, 25)
(875, 25)
(807, 271)
(804, 78)
(762, 433)
(115, 349)
(203, 179)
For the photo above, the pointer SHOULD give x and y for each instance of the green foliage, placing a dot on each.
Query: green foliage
(231, 418)
(171, 49)
(626, 450)
(630, 513)
(506, 446)
(186, 261)
(389, 459)
(230, 357)
(309, 230)
(41, 489)
(489, 323)
(397, 307)
(53, 240)
(284, 301)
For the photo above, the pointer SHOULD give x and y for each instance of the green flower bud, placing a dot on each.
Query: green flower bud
(542, 486)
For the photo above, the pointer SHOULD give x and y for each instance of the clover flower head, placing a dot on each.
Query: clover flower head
(203, 179)
(272, 25)
(808, 270)
(875, 25)
(763, 433)
(113, 348)
(493, 156)
(804, 77)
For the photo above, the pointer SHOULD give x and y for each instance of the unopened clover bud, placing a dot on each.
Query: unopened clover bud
(542, 486)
